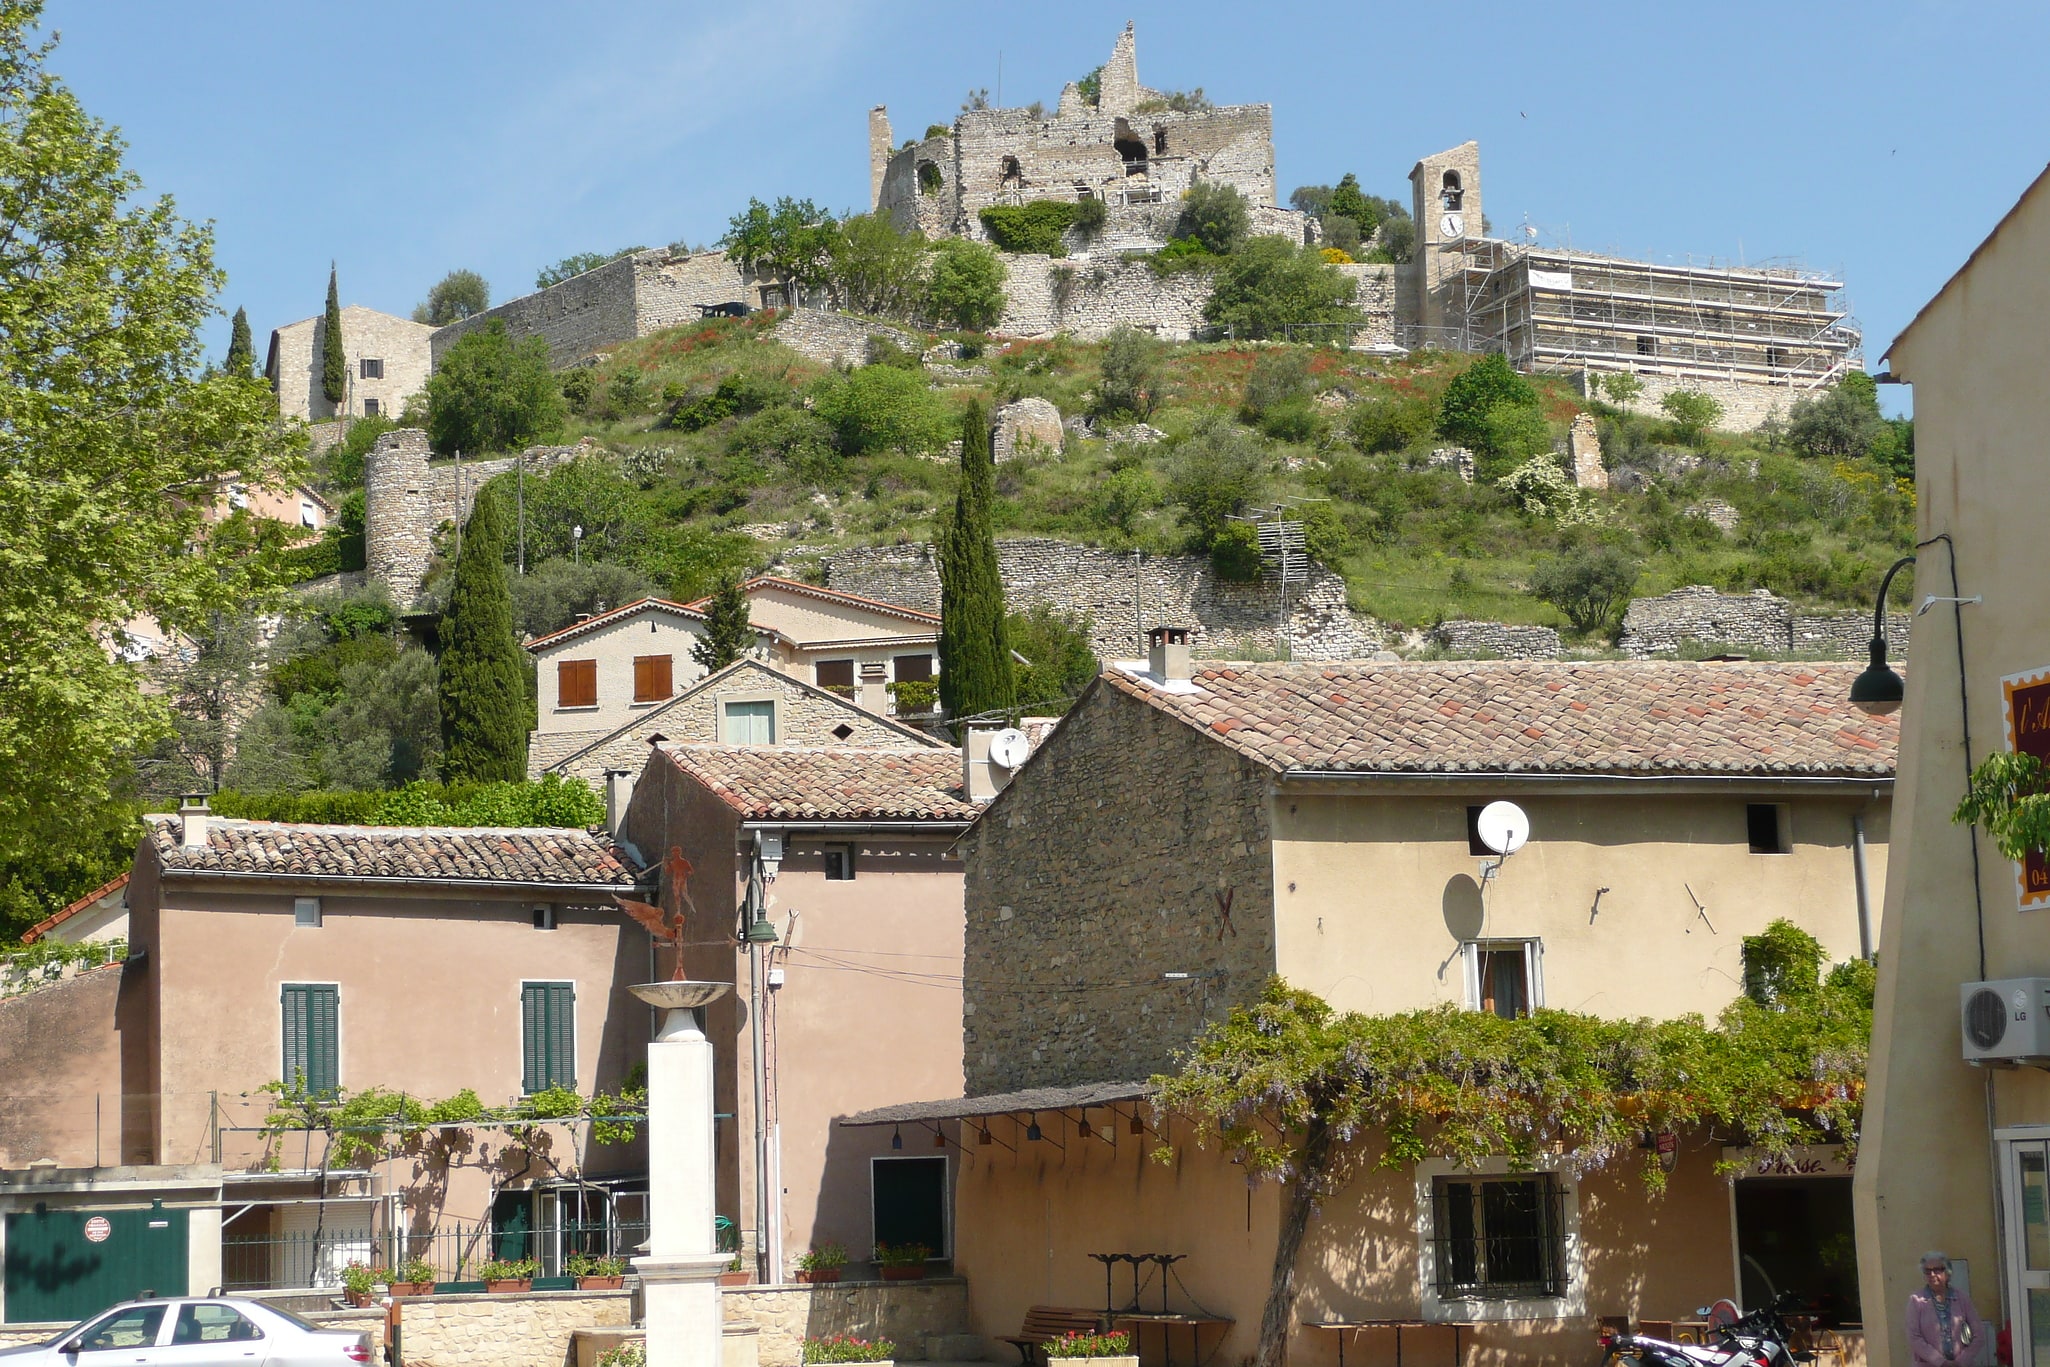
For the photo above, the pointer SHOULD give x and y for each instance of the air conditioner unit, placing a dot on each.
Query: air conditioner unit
(2006, 1022)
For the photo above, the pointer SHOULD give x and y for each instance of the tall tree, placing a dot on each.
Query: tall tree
(728, 632)
(975, 648)
(334, 366)
(491, 393)
(454, 297)
(241, 349)
(111, 444)
(482, 683)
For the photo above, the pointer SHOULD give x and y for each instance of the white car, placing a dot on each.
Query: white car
(209, 1331)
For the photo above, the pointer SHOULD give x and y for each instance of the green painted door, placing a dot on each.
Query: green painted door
(67, 1264)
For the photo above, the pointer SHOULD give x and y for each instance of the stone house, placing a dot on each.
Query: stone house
(826, 888)
(425, 962)
(388, 363)
(1187, 834)
(721, 708)
(1958, 912)
(603, 673)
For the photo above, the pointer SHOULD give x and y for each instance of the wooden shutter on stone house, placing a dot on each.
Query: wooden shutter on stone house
(576, 683)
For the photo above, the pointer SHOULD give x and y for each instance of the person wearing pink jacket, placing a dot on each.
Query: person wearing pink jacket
(1943, 1325)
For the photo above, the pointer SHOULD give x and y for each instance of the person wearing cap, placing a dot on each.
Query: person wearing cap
(1943, 1325)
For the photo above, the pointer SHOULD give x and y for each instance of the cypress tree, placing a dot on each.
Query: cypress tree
(975, 649)
(481, 685)
(727, 631)
(241, 350)
(334, 369)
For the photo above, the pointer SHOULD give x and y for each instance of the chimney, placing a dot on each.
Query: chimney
(192, 815)
(619, 792)
(872, 692)
(1167, 654)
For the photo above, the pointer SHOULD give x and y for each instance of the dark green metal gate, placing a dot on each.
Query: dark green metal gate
(67, 1264)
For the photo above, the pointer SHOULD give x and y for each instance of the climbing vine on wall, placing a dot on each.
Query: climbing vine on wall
(376, 1123)
(1034, 227)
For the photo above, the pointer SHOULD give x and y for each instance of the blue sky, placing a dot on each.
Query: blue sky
(402, 140)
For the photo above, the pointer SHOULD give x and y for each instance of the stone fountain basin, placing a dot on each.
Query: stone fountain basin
(674, 996)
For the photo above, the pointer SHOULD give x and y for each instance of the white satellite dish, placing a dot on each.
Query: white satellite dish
(1009, 748)
(1504, 828)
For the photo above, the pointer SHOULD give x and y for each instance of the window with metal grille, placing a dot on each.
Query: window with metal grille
(652, 678)
(312, 1036)
(372, 368)
(576, 683)
(1499, 1237)
(371, 408)
(548, 1036)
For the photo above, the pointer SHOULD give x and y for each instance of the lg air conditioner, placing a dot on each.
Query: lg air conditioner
(2006, 1022)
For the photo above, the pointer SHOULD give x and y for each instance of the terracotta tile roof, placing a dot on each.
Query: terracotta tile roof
(569, 858)
(98, 894)
(809, 783)
(605, 619)
(1595, 717)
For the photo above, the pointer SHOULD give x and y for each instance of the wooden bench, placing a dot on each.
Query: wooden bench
(1044, 1322)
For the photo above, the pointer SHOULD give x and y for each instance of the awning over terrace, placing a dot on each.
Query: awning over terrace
(1028, 1101)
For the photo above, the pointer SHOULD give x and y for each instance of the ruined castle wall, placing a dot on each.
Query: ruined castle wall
(1746, 403)
(669, 288)
(837, 338)
(583, 314)
(908, 203)
(1089, 298)
(1497, 639)
(1226, 620)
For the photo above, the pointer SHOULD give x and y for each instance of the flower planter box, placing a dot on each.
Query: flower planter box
(818, 1275)
(735, 1278)
(600, 1283)
(412, 1288)
(509, 1286)
(1132, 1361)
(360, 1299)
(916, 1272)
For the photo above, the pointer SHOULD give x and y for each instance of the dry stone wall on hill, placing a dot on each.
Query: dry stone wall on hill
(1760, 620)
(837, 338)
(1119, 592)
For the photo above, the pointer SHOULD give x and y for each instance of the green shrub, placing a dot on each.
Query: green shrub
(1215, 474)
(1487, 383)
(577, 384)
(1270, 283)
(491, 393)
(965, 285)
(847, 1348)
(1235, 553)
(1128, 382)
(878, 408)
(344, 460)
(1182, 254)
(1034, 227)
(1389, 423)
(1090, 216)
(1693, 413)
(1216, 215)
(1586, 584)
(1511, 433)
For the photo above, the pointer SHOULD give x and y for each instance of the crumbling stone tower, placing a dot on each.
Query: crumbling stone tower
(1445, 198)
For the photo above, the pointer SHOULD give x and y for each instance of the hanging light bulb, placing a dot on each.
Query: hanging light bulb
(982, 1136)
(1084, 1129)
(939, 1139)
(1032, 1129)
(897, 1137)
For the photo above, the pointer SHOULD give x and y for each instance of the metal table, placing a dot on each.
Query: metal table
(1167, 1321)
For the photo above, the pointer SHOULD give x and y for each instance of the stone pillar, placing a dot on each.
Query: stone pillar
(879, 150)
(1118, 88)
(398, 516)
(680, 1271)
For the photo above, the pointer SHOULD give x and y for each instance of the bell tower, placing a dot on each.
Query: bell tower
(1445, 198)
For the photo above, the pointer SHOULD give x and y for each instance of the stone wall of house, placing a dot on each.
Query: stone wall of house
(399, 344)
(1117, 592)
(837, 338)
(406, 496)
(1498, 639)
(1118, 858)
(615, 303)
(906, 1313)
(1760, 620)
(534, 1329)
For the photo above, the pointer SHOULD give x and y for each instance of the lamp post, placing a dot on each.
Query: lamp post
(1878, 690)
(576, 544)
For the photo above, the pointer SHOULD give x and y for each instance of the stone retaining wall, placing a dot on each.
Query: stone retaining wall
(907, 1313)
(837, 338)
(615, 303)
(1746, 403)
(1759, 620)
(1498, 639)
(1226, 620)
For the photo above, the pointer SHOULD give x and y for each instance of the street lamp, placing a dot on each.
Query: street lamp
(576, 544)
(1878, 690)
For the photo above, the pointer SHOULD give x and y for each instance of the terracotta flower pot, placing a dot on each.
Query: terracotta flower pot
(600, 1283)
(913, 1272)
(735, 1278)
(819, 1275)
(412, 1288)
(359, 1299)
(510, 1286)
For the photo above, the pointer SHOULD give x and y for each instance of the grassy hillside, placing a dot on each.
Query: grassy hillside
(714, 427)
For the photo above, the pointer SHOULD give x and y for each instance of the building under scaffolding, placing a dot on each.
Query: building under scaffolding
(1550, 309)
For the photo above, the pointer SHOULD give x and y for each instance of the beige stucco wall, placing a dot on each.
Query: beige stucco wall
(60, 1072)
(805, 619)
(1924, 1180)
(294, 367)
(614, 646)
(1376, 893)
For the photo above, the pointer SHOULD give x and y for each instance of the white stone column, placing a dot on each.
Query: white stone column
(680, 1271)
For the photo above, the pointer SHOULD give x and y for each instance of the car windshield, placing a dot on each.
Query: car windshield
(291, 1318)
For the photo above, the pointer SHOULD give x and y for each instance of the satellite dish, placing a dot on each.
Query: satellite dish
(1009, 748)
(1504, 827)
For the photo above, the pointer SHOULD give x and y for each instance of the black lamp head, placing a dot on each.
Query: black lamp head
(897, 1138)
(1878, 690)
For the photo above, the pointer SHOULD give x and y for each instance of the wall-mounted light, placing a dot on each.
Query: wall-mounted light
(1032, 1128)
(897, 1137)
(1878, 691)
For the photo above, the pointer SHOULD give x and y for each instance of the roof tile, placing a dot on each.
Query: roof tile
(807, 783)
(571, 858)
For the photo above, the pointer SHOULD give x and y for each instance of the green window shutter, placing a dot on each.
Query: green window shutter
(293, 1068)
(548, 1036)
(312, 1038)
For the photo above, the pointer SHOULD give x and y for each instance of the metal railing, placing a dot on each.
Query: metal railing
(454, 1250)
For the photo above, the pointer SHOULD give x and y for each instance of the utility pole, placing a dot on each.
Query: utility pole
(522, 497)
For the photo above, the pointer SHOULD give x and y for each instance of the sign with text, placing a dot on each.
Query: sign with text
(2027, 703)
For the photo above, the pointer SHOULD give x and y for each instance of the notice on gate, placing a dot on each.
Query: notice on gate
(97, 1229)
(2027, 699)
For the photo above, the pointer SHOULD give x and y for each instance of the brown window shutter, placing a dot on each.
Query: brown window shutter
(664, 679)
(651, 678)
(836, 673)
(576, 683)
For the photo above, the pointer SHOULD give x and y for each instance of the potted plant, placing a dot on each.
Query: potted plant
(822, 1264)
(902, 1262)
(597, 1274)
(1074, 1349)
(502, 1275)
(359, 1281)
(735, 1274)
(632, 1353)
(414, 1277)
(845, 1348)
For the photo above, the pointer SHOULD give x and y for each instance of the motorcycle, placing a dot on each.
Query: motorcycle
(1759, 1339)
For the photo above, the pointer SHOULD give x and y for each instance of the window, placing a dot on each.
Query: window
(371, 408)
(130, 1329)
(1504, 976)
(1159, 140)
(544, 916)
(1647, 345)
(1765, 824)
(1474, 843)
(652, 678)
(213, 1324)
(576, 683)
(306, 912)
(1775, 358)
(911, 667)
(312, 1028)
(1499, 1237)
(910, 1202)
(836, 675)
(548, 1036)
(370, 368)
(839, 863)
(748, 723)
